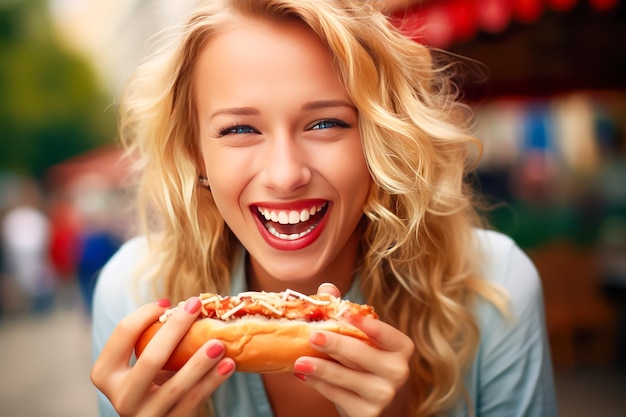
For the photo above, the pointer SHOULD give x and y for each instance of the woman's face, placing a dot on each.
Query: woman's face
(282, 152)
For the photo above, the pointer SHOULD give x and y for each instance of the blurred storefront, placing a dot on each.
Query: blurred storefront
(545, 79)
(89, 211)
(441, 23)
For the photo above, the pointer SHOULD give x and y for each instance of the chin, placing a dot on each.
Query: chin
(293, 276)
(297, 276)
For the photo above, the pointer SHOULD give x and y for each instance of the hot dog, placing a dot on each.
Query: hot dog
(263, 332)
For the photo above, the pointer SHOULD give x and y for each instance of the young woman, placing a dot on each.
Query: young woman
(320, 111)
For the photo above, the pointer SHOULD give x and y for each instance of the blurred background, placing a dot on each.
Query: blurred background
(544, 77)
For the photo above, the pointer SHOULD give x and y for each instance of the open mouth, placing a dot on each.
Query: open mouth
(292, 224)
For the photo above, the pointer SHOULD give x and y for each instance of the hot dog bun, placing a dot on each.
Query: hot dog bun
(256, 339)
(256, 344)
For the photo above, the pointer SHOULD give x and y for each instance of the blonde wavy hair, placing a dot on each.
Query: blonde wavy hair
(420, 264)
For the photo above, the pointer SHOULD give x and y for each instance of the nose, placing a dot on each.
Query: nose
(285, 165)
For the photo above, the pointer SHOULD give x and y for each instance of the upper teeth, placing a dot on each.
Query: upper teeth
(289, 216)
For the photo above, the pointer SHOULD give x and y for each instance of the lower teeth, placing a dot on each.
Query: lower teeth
(284, 236)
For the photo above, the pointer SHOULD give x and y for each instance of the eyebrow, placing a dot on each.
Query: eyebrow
(237, 111)
(314, 105)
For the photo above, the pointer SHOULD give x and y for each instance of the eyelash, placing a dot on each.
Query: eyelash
(332, 122)
(236, 128)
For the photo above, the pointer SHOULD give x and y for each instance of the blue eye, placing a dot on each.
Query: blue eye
(236, 130)
(328, 123)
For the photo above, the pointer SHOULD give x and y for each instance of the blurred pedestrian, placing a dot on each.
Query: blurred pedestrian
(97, 247)
(26, 240)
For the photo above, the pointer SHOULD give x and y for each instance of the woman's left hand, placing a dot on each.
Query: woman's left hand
(363, 380)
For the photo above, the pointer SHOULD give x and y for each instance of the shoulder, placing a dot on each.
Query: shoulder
(507, 266)
(517, 328)
(512, 373)
(118, 290)
(128, 253)
(117, 274)
(499, 252)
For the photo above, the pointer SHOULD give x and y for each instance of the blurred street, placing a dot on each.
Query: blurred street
(45, 360)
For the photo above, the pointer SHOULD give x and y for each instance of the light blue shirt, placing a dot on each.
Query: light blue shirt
(511, 375)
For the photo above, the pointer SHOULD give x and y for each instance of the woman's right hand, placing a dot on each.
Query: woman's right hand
(143, 389)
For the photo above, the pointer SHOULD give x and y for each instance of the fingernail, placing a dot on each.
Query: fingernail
(193, 305)
(215, 350)
(303, 366)
(318, 339)
(331, 289)
(225, 368)
(301, 377)
(163, 302)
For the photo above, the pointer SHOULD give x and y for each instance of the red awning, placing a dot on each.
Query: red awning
(442, 22)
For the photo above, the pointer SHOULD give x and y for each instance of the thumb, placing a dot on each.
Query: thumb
(328, 288)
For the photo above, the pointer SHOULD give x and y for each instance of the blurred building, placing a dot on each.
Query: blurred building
(115, 34)
(545, 78)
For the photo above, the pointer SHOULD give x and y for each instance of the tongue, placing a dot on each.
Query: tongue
(290, 229)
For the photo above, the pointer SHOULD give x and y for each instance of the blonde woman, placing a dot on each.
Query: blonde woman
(279, 106)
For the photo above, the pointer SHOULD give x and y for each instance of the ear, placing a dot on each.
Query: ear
(203, 181)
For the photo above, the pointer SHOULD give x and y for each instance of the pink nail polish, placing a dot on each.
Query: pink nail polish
(214, 351)
(303, 366)
(193, 305)
(163, 302)
(318, 339)
(225, 368)
(301, 377)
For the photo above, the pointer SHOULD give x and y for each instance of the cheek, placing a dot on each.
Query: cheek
(220, 163)
(226, 177)
(226, 196)
(357, 177)
(348, 172)
(354, 166)
(358, 185)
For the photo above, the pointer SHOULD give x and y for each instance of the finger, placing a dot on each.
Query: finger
(165, 340)
(336, 374)
(205, 387)
(121, 344)
(344, 399)
(184, 381)
(358, 355)
(383, 335)
(160, 348)
(328, 288)
(116, 353)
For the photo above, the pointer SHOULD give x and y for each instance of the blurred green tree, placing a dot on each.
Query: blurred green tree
(52, 106)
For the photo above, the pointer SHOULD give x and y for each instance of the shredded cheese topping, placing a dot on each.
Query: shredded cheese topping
(289, 304)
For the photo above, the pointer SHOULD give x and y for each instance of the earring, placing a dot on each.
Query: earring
(203, 181)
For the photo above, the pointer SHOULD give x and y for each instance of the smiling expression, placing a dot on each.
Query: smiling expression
(282, 151)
